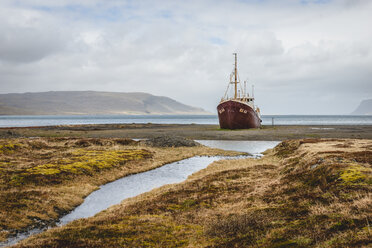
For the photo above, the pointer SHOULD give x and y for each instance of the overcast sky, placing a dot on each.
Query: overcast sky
(303, 56)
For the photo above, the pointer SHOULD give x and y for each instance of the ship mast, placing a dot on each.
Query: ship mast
(236, 77)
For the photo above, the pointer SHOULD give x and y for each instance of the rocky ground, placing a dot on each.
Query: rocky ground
(170, 141)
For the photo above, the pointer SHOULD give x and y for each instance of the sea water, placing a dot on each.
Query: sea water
(52, 120)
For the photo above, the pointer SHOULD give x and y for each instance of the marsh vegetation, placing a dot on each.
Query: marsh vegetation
(303, 193)
(42, 179)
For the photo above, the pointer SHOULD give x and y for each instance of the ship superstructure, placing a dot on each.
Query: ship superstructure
(239, 111)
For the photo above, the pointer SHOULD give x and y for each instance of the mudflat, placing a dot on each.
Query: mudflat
(193, 131)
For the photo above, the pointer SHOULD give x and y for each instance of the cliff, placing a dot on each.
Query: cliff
(364, 108)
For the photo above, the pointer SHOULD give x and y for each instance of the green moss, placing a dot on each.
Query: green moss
(82, 162)
(16, 180)
(355, 174)
(341, 225)
(350, 238)
(303, 241)
(174, 207)
(185, 205)
(188, 203)
(45, 169)
(9, 147)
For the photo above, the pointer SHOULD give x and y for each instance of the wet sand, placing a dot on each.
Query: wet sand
(194, 131)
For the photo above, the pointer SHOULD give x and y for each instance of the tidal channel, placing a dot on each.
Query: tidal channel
(114, 192)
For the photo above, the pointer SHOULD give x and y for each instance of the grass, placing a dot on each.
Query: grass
(79, 162)
(355, 174)
(44, 178)
(280, 200)
(8, 147)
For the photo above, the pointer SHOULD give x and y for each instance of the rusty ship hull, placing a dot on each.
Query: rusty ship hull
(234, 114)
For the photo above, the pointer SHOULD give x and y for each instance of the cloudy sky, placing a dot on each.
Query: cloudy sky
(303, 56)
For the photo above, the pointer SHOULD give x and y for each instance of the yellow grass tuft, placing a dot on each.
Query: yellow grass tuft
(356, 174)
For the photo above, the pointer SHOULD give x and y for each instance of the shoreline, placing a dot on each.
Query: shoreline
(191, 131)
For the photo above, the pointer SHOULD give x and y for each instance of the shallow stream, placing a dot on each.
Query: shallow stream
(133, 185)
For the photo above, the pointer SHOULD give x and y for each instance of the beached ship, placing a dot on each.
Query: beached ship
(238, 112)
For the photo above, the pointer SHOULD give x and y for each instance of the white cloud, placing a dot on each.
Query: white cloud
(303, 58)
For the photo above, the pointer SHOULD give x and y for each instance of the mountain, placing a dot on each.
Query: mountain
(91, 103)
(364, 108)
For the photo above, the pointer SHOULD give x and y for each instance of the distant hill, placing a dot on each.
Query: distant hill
(364, 108)
(91, 102)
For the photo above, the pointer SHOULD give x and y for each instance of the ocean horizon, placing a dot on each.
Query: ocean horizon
(54, 120)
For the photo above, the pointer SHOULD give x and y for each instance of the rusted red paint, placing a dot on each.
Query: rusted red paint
(237, 115)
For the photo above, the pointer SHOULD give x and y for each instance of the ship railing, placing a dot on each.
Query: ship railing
(244, 99)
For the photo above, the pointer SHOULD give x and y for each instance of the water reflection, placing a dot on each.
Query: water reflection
(252, 147)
